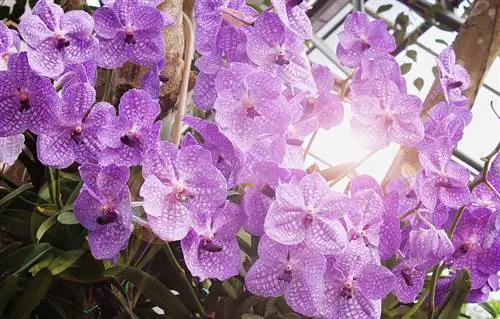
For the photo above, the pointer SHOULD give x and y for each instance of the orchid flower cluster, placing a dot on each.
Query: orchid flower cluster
(321, 249)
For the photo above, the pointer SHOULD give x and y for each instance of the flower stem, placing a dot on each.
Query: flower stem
(182, 99)
(107, 95)
(432, 290)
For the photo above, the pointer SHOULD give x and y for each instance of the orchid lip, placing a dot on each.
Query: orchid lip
(210, 246)
(107, 218)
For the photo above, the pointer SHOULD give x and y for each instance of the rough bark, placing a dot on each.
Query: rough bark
(476, 47)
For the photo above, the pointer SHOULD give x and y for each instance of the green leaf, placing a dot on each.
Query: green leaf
(486, 306)
(412, 54)
(67, 218)
(16, 192)
(153, 289)
(45, 226)
(47, 209)
(442, 42)
(419, 83)
(58, 261)
(384, 8)
(456, 297)
(405, 68)
(33, 294)
(8, 289)
(37, 252)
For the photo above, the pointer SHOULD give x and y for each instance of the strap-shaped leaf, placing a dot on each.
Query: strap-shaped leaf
(153, 289)
(33, 294)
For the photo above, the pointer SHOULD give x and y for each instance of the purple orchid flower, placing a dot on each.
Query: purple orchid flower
(103, 207)
(293, 14)
(221, 26)
(308, 212)
(354, 284)
(205, 93)
(175, 191)
(445, 124)
(210, 249)
(325, 105)
(263, 178)
(362, 39)
(469, 251)
(386, 68)
(73, 133)
(56, 39)
(152, 80)
(9, 44)
(248, 104)
(129, 30)
(26, 99)
(130, 134)
(383, 114)
(225, 156)
(439, 178)
(454, 78)
(10, 148)
(85, 72)
(272, 47)
(407, 199)
(295, 271)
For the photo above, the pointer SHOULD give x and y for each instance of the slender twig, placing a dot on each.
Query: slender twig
(183, 90)
(309, 145)
(417, 305)
(352, 168)
(58, 195)
(411, 211)
(432, 290)
(50, 184)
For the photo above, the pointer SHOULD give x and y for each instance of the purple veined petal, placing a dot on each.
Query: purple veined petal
(80, 51)
(256, 205)
(326, 235)
(111, 53)
(10, 148)
(34, 31)
(101, 115)
(454, 197)
(375, 281)
(154, 193)
(56, 150)
(87, 209)
(408, 132)
(409, 282)
(285, 225)
(6, 38)
(264, 85)
(106, 243)
(227, 221)
(111, 180)
(262, 278)
(360, 307)
(357, 21)
(210, 64)
(323, 77)
(88, 174)
(147, 20)
(46, 59)
(11, 120)
(365, 108)
(300, 23)
(380, 40)
(314, 188)
(353, 258)
(290, 196)
(78, 99)
(107, 23)
(390, 237)
(138, 107)
(204, 91)
(303, 295)
(147, 51)
(231, 41)
(446, 61)
(173, 223)
(367, 206)
(221, 265)
(159, 161)
(362, 182)
(425, 189)
(406, 106)
(349, 58)
(372, 135)
(77, 24)
(49, 12)
(271, 250)
(203, 181)
(462, 74)
(233, 79)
